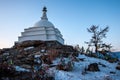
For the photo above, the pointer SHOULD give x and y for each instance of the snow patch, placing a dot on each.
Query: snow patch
(18, 68)
(76, 74)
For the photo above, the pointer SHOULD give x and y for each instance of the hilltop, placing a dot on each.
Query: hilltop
(50, 60)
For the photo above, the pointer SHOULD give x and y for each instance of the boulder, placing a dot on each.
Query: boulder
(118, 67)
(93, 67)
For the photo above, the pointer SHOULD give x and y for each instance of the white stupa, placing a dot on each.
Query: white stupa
(42, 30)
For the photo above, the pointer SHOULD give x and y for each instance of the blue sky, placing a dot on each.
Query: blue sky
(71, 17)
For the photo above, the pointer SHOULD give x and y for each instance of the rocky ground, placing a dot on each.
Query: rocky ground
(50, 60)
(31, 55)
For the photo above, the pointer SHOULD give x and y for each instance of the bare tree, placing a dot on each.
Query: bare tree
(97, 36)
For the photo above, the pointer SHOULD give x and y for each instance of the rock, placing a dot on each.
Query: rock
(26, 53)
(17, 62)
(93, 67)
(81, 59)
(29, 43)
(119, 63)
(113, 60)
(28, 48)
(6, 70)
(26, 66)
(6, 54)
(46, 59)
(102, 64)
(112, 72)
(65, 65)
(107, 77)
(118, 67)
(1, 59)
(60, 67)
(22, 54)
(19, 56)
(1, 51)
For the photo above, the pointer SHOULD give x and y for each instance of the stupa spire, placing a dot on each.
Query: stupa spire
(44, 16)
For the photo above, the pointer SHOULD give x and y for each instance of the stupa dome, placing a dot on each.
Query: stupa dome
(43, 23)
